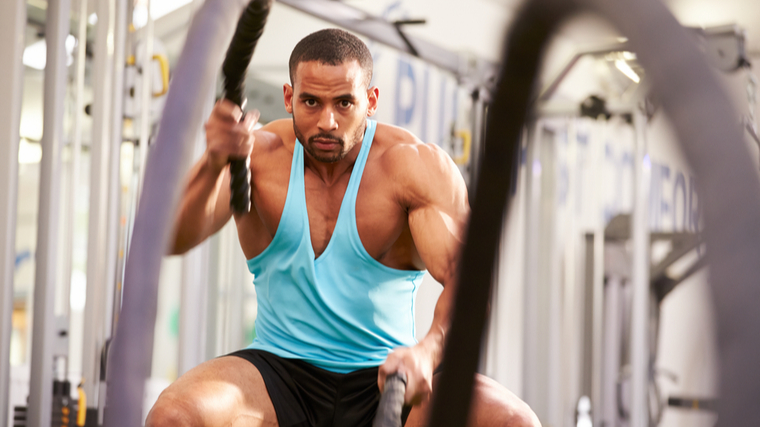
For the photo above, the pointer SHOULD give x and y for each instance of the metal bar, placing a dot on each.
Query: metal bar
(40, 396)
(554, 83)
(76, 149)
(117, 119)
(192, 308)
(209, 34)
(385, 32)
(533, 384)
(146, 96)
(640, 278)
(100, 158)
(680, 248)
(195, 290)
(597, 363)
(607, 408)
(12, 26)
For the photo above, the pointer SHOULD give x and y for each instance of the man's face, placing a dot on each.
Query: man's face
(330, 105)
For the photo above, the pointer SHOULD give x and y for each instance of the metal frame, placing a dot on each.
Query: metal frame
(120, 40)
(640, 363)
(40, 397)
(98, 278)
(12, 27)
(470, 71)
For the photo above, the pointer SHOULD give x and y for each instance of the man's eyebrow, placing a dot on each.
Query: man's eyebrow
(346, 96)
(305, 95)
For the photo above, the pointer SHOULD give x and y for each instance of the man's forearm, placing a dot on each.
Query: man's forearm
(195, 221)
(435, 340)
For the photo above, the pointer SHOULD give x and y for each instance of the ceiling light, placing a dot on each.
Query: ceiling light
(140, 16)
(627, 70)
(628, 56)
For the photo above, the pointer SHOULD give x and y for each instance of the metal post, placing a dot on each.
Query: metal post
(597, 355)
(193, 294)
(114, 193)
(40, 395)
(534, 356)
(12, 26)
(640, 278)
(607, 409)
(76, 149)
(194, 291)
(97, 278)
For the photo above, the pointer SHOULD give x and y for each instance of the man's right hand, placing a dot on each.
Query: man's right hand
(227, 136)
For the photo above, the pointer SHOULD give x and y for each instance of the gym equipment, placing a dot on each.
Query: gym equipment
(702, 115)
(391, 402)
(249, 30)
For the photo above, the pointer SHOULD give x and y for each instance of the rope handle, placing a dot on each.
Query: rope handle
(391, 402)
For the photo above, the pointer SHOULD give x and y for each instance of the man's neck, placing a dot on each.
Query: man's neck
(330, 173)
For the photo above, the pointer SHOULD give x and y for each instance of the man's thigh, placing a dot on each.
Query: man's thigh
(493, 405)
(227, 391)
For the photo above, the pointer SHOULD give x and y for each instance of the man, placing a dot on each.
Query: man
(346, 213)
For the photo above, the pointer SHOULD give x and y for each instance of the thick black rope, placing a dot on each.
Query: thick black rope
(489, 205)
(249, 29)
(702, 117)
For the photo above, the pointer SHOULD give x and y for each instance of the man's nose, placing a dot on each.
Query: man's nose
(327, 121)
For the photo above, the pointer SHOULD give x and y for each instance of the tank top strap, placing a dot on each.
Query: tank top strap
(349, 199)
(296, 198)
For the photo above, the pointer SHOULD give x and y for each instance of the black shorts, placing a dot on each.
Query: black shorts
(304, 395)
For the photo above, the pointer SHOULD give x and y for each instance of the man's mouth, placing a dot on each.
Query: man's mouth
(325, 143)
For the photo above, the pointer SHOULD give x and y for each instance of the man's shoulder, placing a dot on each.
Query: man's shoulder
(402, 150)
(275, 135)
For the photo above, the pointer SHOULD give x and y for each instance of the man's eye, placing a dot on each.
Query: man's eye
(345, 104)
(310, 103)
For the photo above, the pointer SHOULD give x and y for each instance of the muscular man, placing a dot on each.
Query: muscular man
(346, 215)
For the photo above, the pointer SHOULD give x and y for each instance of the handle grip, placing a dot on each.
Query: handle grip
(391, 402)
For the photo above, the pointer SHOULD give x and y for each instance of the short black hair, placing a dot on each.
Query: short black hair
(332, 47)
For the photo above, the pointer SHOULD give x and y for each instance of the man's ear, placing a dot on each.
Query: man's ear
(372, 94)
(287, 93)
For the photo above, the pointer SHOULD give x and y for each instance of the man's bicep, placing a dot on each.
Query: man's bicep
(438, 237)
(439, 220)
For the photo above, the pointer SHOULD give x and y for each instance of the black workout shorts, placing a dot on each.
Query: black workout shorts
(304, 395)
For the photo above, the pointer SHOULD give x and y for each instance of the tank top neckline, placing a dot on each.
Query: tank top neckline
(348, 202)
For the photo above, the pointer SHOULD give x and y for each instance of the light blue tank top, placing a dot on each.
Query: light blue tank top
(343, 311)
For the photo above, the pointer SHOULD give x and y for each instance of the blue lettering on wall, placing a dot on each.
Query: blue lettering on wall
(679, 189)
(425, 91)
(664, 205)
(442, 116)
(564, 174)
(404, 113)
(694, 211)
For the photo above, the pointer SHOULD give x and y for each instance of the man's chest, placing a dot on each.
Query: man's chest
(379, 218)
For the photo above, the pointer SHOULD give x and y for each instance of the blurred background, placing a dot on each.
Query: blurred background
(561, 317)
